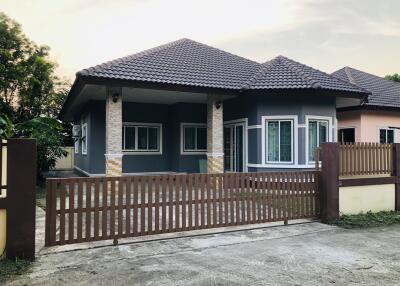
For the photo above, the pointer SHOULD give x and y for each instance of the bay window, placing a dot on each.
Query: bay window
(279, 141)
(317, 134)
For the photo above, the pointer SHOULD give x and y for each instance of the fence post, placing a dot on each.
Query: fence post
(21, 198)
(329, 192)
(396, 172)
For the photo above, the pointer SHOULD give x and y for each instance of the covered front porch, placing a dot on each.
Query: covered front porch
(127, 130)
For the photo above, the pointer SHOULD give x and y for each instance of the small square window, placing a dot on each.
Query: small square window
(194, 138)
(141, 137)
(386, 136)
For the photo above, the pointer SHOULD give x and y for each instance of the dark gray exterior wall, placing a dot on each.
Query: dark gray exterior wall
(255, 106)
(147, 113)
(185, 113)
(94, 161)
(171, 117)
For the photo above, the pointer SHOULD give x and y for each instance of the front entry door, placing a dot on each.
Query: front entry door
(234, 147)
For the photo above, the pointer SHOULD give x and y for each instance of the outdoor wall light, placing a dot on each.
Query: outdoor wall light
(115, 97)
(218, 104)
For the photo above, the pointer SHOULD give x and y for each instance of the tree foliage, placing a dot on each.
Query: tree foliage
(31, 95)
(14, 51)
(28, 84)
(394, 77)
(49, 134)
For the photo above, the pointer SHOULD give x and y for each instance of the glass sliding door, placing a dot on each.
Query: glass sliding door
(228, 148)
(234, 147)
(239, 146)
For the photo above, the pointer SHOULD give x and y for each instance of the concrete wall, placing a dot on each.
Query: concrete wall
(375, 198)
(368, 122)
(371, 121)
(350, 119)
(67, 162)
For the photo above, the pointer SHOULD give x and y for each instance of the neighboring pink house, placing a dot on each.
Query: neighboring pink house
(375, 120)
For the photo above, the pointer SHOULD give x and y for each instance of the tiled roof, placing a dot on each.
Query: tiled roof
(384, 92)
(186, 62)
(284, 73)
(183, 62)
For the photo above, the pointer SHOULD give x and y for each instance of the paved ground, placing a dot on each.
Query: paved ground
(303, 254)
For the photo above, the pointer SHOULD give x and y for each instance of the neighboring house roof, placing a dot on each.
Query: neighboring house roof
(384, 93)
(190, 63)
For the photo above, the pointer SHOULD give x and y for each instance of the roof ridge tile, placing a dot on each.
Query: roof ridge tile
(293, 66)
(265, 67)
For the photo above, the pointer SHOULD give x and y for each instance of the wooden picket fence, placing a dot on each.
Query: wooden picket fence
(365, 159)
(360, 159)
(89, 209)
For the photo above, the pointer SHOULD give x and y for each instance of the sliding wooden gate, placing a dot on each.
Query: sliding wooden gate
(89, 209)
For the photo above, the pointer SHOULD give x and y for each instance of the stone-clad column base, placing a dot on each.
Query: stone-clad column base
(215, 164)
(113, 165)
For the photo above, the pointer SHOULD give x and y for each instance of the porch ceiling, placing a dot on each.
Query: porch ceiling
(142, 95)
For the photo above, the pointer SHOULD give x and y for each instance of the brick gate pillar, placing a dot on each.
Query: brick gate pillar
(215, 128)
(114, 132)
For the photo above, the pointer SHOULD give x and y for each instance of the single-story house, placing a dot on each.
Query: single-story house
(188, 107)
(375, 120)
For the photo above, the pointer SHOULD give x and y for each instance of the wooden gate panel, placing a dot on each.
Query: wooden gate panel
(89, 209)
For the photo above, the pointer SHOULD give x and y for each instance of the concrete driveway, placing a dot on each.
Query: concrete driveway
(302, 254)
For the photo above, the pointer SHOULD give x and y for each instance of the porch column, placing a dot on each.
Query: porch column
(215, 128)
(114, 132)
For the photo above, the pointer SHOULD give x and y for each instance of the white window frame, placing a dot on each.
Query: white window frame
(386, 128)
(142, 152)
(330, 131)
(76, 145)
(84, 139)
(264, 134)
(195, 151)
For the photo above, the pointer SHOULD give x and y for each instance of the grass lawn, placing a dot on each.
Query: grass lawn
(10, 268)
(368, 219)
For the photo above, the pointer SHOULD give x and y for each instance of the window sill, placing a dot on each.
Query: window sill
(141, 153)
(195, 152)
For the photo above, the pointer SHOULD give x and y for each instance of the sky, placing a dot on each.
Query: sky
(325, 34)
